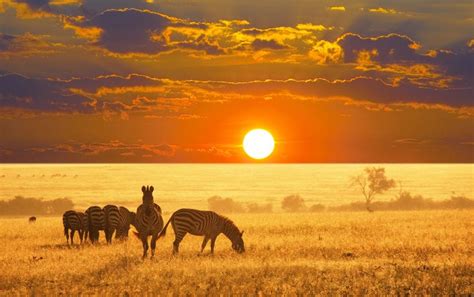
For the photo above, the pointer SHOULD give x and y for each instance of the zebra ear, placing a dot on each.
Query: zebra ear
(241, 233)
(151, 189)
(143, 189)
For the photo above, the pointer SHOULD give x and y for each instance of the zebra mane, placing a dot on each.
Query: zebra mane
(231, 225)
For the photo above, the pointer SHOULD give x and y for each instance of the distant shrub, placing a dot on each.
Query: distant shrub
(28, 206)
(293, 203)
(259, 208)
(317, 208)
(406, 201)
(226, 205)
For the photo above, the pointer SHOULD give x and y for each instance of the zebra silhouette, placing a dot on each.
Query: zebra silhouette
(148, 220)
(203, 223)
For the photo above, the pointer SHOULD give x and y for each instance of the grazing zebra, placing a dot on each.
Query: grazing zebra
(112, 221)
(32, 219)
(127, 218)
(73, 221)
(96, 221)
(203, 223)
(149, 221)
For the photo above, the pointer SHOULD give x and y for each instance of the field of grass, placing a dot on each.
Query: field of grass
(327, 253)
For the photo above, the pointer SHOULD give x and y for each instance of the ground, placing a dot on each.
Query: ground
(355, 253)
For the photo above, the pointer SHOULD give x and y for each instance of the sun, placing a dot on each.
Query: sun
(258, 144)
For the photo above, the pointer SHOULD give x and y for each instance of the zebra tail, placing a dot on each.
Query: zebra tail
(163, 232)
(136, 234)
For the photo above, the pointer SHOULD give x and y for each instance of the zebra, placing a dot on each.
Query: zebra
(127, 218)
(148, 220)
(203, 223)
(112, 221)
(74, 221)
(32, 219)
(96, 221)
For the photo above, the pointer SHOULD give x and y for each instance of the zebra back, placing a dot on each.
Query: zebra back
(72, 220)
(112, 217)
(96, 218)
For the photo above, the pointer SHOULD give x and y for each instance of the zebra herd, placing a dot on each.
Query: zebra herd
(148, 221)
(110, 219)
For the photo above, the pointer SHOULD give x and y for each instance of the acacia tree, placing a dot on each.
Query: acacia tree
(372, 181)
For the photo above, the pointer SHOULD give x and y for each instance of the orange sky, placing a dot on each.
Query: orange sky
(180, 81)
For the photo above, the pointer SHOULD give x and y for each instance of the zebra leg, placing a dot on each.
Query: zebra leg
(72, 236)
(153, 244)
(213, 242)
(178, 237)
(81, 235)
(145, 245)
(66, 232)
(107, 235)
(204, 242)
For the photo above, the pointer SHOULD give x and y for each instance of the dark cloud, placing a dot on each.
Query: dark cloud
(6, 41)
(401, 50)
(130, 30)
(362, 88)
(36, 4)
(259, 44)
(171, 98)
(390, 48)
(17, 91)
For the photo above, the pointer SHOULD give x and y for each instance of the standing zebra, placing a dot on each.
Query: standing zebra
(203, 223)
(127, 218)
(112, 221)
(149, 221)
(73, 221)
(96, 221)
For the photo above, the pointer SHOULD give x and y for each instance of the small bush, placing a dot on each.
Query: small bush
(293, 203)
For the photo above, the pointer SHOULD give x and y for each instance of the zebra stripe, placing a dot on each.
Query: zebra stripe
(203, 223)
(126, 218)
(96, 221)
(148, 221)
(73, 221)
(112, 221)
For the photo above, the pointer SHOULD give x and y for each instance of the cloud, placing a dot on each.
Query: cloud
(398, 53)
(117, 151)
(17, 91)
(259, 44)
(26, 45)
(169, 99)
(383, 10)
(337, 8)
(133, 31)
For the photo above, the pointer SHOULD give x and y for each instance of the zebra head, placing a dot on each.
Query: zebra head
(238, 243)
(147, 195)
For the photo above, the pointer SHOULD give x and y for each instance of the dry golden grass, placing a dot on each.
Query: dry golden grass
(382, 253)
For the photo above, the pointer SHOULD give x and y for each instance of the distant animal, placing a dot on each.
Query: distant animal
(149, 221)
(127, 218)
(203, 223)
(96, 222)
(112, 221)
(32, 219)
(73, 221)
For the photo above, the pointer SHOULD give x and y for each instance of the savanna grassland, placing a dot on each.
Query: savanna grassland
(353, 253)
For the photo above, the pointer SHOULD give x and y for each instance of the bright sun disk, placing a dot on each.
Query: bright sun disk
(258, 143)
